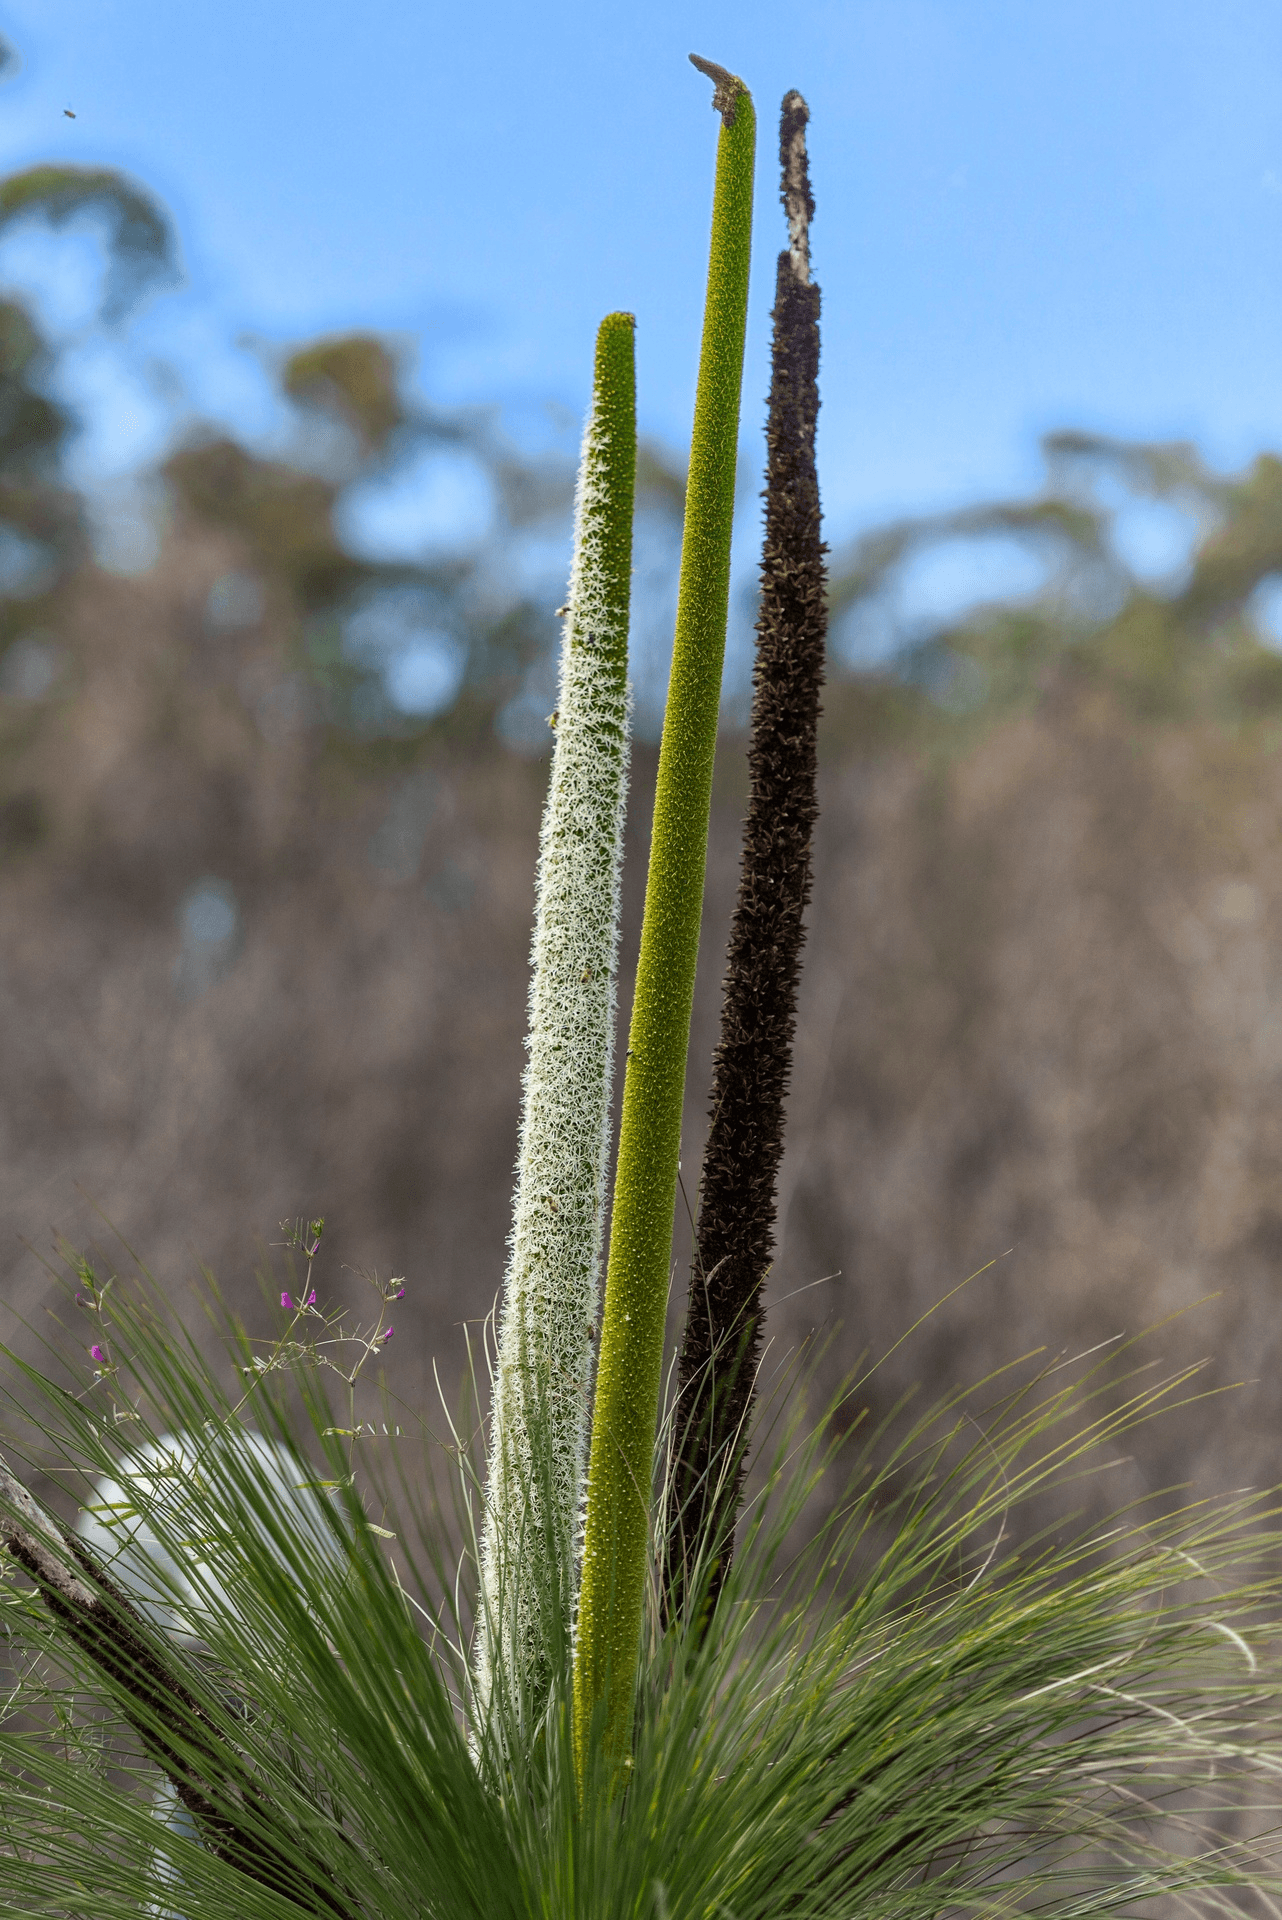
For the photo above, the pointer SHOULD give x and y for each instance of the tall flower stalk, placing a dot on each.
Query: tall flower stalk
(616, 1541)
(734, 1237)
(539, 1426)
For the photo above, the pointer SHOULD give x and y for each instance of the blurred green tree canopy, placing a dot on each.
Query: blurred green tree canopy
(1194, 642)
(143, 250)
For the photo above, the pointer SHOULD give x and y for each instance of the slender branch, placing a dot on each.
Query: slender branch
(175, 1730)
(753, 1060)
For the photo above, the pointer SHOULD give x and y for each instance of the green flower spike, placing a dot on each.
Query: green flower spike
(538, 1438)
(616, 1544)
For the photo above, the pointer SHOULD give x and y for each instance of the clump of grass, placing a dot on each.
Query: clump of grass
(925, 1710)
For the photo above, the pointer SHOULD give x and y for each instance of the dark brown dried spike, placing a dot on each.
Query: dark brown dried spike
(753, 1060)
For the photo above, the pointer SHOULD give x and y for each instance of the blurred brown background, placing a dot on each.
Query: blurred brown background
(265, 934)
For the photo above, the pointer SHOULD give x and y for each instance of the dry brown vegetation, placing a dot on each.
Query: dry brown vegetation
(1040, 1012)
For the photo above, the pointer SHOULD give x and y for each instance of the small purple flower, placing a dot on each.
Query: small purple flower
(387, 1336)
(311, 1299)
(96, 1353)
(287, 1303)
(399, 1294)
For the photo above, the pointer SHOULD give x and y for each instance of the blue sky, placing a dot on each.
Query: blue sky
(1030, 215)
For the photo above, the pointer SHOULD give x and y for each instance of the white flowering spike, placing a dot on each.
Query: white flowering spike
(538, 1436)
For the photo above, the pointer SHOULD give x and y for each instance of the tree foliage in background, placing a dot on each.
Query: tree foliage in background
(1191, 643)
(38, 511)
(142, 253)
(1171, 648)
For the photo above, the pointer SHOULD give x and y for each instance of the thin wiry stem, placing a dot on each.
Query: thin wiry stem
(752, 1064)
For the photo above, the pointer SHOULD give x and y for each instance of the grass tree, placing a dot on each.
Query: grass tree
(928, 1702)
(542, 1380)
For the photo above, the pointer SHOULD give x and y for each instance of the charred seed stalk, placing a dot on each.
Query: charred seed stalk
(751, 1067)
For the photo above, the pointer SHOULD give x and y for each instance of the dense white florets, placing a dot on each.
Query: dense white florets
(540, 1418)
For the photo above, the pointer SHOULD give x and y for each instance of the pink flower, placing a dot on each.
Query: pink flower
(287, 1303)
(311, 1299)
(95, 1353)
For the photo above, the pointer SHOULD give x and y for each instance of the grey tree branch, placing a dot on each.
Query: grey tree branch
(39, 1545)
(175, 1730)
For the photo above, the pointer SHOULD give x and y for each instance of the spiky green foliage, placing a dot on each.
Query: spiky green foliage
(927, 1709)
(734, 1235)
(636, 1292)
(296, 1626)
(550, 1295)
